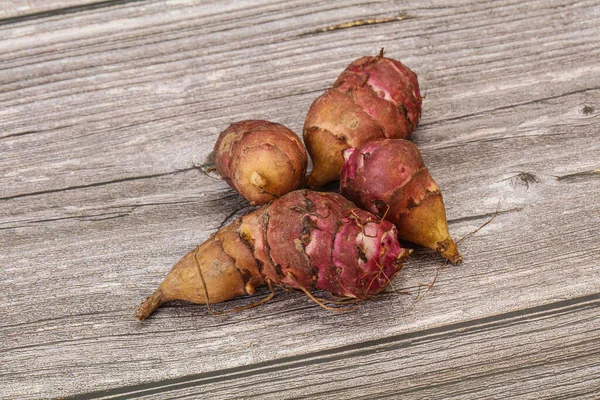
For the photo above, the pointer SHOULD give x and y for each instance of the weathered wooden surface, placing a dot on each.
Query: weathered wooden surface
(107, 108)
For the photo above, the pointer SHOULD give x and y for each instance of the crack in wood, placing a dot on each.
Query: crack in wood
(358, 22)
(31, 132)
(65, 11)
(117, 214)
(489, 140)
(487, 215)
(59, 318)
(90, 218)
(578, 176)
(25, 133)
(91, 185)
(104, 217)
(509, 106)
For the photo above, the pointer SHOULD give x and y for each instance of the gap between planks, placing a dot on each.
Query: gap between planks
(355, 350)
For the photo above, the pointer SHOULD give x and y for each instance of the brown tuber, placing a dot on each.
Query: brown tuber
(262, 160)
(374, 97)
(388, 177)
(303, 240)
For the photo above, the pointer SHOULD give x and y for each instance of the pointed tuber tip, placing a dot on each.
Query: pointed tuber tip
(405, 254)
(149, 305)
(402, 257)
(449, 251)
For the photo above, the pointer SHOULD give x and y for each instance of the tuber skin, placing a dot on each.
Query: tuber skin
(374, 97)
(303, 240)
(262, 160)
(388, 178)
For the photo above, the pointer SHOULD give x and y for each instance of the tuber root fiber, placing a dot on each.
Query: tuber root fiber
(374, 97)
(388, 177)
(303, 240)
(262, 160)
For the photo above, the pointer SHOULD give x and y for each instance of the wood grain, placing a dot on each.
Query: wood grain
(530, 353)
(106, 112)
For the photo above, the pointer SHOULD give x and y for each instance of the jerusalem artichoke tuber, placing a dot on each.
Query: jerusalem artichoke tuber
(262, 160)
(303, 240)
(374, 97)
(388, 177)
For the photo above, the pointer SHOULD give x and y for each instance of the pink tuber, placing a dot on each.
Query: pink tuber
(388, 177)
(374, 97)
(303, 240)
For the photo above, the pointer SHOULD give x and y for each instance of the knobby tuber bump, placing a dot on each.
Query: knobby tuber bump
(388, 177)
(262, 160)
(374, 97)
(303, 240)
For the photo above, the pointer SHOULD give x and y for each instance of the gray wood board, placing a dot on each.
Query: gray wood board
(106, 112)
(13, 11)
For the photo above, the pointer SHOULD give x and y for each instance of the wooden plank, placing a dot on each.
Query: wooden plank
(102, 128)
(109, 89)
(546, 362)
(101, 278)
(14, 11)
